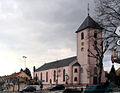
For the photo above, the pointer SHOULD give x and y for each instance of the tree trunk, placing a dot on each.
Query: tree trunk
(100, 72)
(13, 88)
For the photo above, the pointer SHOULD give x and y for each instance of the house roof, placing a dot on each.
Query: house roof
(13, 75)
(88, 23)
(21, 74)
(56, 64)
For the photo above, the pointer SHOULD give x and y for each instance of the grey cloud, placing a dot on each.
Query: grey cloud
(60, 20)
(37, 27)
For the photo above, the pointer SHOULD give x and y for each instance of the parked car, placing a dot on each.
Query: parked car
(97, 88)
(28, 89)
(57, 87)
(68, 90)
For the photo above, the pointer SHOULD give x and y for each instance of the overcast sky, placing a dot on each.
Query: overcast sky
(41, 30)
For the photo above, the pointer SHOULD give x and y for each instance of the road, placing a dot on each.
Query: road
(60, 91)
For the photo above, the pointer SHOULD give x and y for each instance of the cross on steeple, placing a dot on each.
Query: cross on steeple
(88, 9)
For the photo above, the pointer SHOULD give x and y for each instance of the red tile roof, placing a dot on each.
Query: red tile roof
(13, 75)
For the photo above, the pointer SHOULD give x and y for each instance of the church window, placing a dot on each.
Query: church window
(50, 81)
(46, 76)
(82, 36)
(95, 42)
(54, 75)
(64, 75)
(75, 70)
(82, 49)
(75, 79)
(95, 35)
(41, 75)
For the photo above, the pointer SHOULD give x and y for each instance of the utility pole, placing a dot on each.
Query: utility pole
(24, 57)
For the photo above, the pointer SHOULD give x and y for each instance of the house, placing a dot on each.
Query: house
(15, 81)
(22, 76)
(80, 69)
(19, 74)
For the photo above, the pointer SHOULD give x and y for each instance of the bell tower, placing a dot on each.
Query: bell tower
(87, 33)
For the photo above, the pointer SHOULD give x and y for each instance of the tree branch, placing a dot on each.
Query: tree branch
(113, 10)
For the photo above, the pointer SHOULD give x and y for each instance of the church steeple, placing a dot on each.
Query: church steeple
(88, 23)
(83, 44)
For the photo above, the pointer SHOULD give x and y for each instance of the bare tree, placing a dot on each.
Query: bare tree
(100, 51)
(108, 16)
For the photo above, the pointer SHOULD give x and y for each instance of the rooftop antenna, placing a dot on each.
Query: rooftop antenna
(88, 9)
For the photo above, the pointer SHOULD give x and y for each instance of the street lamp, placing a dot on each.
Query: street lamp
(24, 57)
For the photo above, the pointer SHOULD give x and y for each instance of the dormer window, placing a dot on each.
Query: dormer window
(82, 36)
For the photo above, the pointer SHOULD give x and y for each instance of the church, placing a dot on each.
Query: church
(77, 70)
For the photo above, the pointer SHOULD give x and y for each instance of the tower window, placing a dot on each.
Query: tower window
(75, 79)
(82, 36)
(75, 71)
(95, 35)
(95, 42)
(82, 49)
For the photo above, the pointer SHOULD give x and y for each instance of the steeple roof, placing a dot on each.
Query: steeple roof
(89, 23)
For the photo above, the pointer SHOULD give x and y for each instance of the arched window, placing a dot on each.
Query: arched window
(75, 79)
(64, 75)
(95, 35)
(46, 76)
(41, 75)
(82, 36)
(54, 75)
(75, 70)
